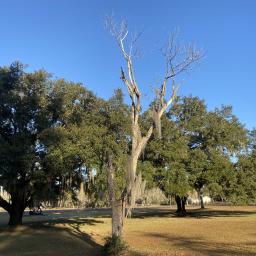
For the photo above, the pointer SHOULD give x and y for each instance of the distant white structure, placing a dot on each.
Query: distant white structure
(195, 200)
(207, 199)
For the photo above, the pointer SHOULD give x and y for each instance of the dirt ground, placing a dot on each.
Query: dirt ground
(217, 230)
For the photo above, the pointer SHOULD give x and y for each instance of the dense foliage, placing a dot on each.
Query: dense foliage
(55, 135)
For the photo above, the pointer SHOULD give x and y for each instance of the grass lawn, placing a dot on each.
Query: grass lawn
(221, 230)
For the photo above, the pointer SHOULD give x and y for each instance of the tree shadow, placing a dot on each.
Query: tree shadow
(62, 216)
(142, 213)
(54, 237)
(208, 213)
(79, 213)
(198, 246)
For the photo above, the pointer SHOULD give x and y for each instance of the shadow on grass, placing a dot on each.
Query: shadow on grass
(54, 237)
(208, 213)
(197, 245)
(142, 213)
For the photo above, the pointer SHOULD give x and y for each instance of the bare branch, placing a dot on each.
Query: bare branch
(179, 58)
(134, 52)
(120, 33)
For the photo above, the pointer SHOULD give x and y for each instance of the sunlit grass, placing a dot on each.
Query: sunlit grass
(152, 231)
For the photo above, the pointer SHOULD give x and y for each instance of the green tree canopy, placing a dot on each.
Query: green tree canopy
(25, 112)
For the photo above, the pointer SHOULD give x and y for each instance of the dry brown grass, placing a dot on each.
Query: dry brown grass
(152, 231)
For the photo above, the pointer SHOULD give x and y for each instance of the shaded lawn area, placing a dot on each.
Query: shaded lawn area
(221, 230)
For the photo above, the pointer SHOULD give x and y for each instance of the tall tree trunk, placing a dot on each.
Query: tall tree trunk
(117, 205)
(117, 217)
(201, 198)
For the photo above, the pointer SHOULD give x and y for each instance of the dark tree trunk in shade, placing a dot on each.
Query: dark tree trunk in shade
(181, 205)
(16, 213)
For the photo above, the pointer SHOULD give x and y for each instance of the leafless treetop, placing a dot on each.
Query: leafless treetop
(178, 59)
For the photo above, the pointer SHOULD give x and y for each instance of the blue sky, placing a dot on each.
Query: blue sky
(68, 39)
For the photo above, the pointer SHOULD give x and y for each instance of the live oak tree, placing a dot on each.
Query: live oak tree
(168, 157)
(24, 113)
(214, 137)
(46, 132)
(178, 60)
(67, 152)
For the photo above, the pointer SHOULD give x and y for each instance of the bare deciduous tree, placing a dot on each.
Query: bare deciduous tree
(178, 60)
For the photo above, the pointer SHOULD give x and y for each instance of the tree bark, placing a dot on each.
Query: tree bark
(117, 218)
(202, 202)
(157, 124)
(131, 182)
(19, 202)
(16, 214)
(201, 199)
(117, 205)
(178, 203)
(181, 205)
(138, 145)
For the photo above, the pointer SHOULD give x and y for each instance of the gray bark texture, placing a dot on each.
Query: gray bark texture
(117, 204)
(117, 217)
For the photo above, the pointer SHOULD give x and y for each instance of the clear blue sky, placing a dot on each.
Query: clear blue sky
(68, 39)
